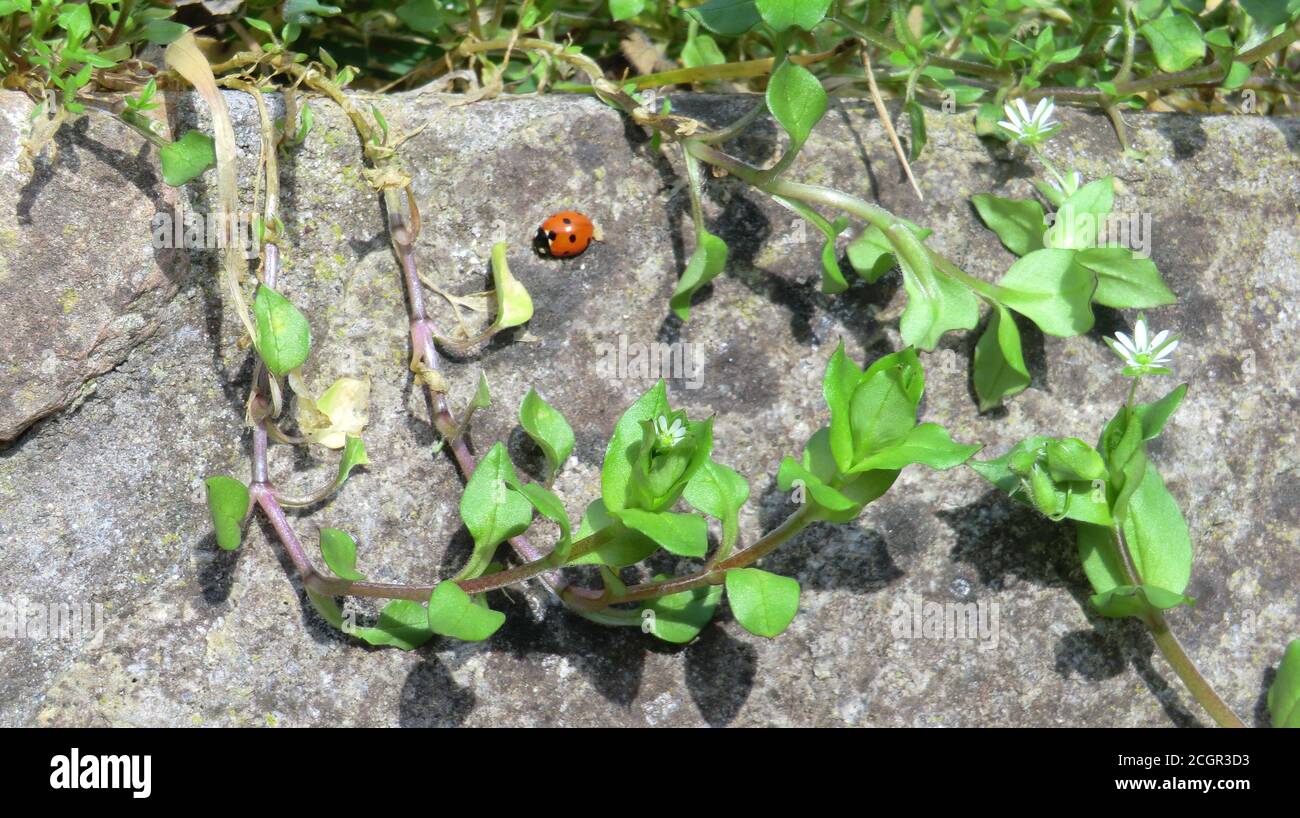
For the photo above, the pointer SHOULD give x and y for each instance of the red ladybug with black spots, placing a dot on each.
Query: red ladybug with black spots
(566, 234)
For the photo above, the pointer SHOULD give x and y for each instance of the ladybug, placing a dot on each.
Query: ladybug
(566, 234)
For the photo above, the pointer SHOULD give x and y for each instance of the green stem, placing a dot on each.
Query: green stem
(1183, 665)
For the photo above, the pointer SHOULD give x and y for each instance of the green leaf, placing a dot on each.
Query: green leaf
(550, 507)
(838, 384)
(1271, 13)
(227, 503)
(493, 512)
(936, 303)
(1284, 695)
(1157, 538)
(514, 306)
(1070, 459)
(816, 473)
(916, 117)
(354, 454)
(627, 547)
(796, 98)
(727, 17)
(872, 255)
(719, 492)
(548, 429)
(1137, 601)
(763, 603)
(1000, 370)
(403, 623)
(783, 14)
(1051, 289)
(708, 260)
(187, 157)
(1079, 220)
(616, 472)
(1019, 223)
(162, 32)
(283, 336)
(1125, 279)
(702, 50)
(1176, 41)
(679, 617)
(453, 613)
(1155, 415)
(423, 16)
(927, 444)
(686, 535)
(881, 413)
(625, 9)
(326, 607)
(340, 552)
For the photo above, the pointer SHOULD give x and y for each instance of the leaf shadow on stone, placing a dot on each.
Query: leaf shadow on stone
(216, 569)
(431, 697)
(1259, 713)
(1008, 543)
(720, 672)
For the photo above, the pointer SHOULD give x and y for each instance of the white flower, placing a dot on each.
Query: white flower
(1072, 183)
(1144, 353)
(669, 436)
(1030, 128)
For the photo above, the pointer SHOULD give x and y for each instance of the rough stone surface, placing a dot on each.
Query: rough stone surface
(104, 504)
(78, 290)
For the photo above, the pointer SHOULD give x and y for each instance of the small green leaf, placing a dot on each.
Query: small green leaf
(162, 32)
(403, 623)
(514, 305)
(881, 413)
(1079, 221)
(548, 429)
(708, 260)
(627, 547)
(927, 444)
(936, 303)
(1125, 279)
(1019, 223)
(1155, 415)
(493, 512)
(625, 9)
(1157, 539)
(783, 14)
(1271, 13)
(423, 16)
(354, 454)
(796, 98)
(686, 535)
(283, 335)
(453, 613)
(719, 492)
(679, 617)
(1137, 601)
(916, 117)
(616, 472)
(763, 603)
(1176, 41)
(727, 17)
(1051, 289)
(1070, 459)
(838, 384)
(1000, 370)
(228, 503)
(326, 607)
(1284, 695)
(187, 157)
(550, 507)
(702, 50)
(340, 552)
(872, 255)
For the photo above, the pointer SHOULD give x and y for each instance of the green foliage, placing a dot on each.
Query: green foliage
(548, 429)
(283, 336)
(763, 603)
(1000, 370)
(1284, 695)
(340, 553)
(492, 510)
(187, 157)
(708, 260)
(680, 617)
(797, 100)
(228, 504)
(452, 612)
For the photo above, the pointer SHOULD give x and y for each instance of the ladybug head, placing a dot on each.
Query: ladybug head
(542, 242)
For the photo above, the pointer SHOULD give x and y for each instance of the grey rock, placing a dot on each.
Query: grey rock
(104, 504)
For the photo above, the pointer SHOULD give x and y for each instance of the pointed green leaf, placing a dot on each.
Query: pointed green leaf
(187, 157)
(1052, 289)
(403, 623)
(514, 305)
(1000, 370)
(1284, 695)
(686, 535)
(453, 613)
(548, 429)
(1125, 279)
(1019, 223)
(708, 260)
(796, 98)
(719, 492)
(283, 336)
(354, 454)
(616, 472)
(627, 547)
(927, 444)
(763, 603)
(340, 552)
(227, 503)
(493, 512)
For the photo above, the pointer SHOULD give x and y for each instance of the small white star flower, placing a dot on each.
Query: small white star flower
(1030, 128)
(1144, 353)
(669, 435)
